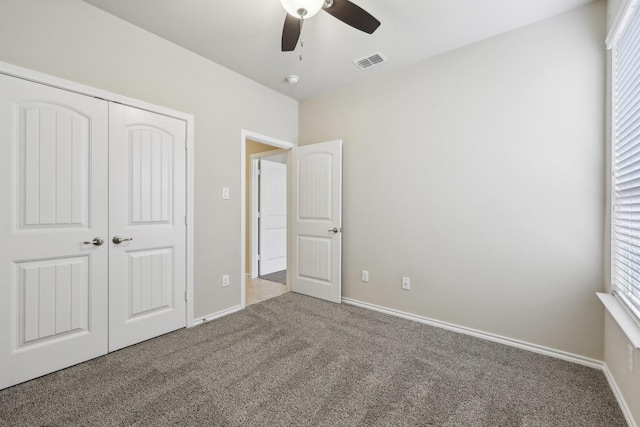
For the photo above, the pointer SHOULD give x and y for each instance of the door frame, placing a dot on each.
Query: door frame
(49, 80)
(254, 196)
(267, 140)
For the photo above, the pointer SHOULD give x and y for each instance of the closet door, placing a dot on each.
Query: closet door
(147, 241)
(53, 215)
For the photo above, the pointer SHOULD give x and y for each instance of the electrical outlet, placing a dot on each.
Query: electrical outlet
(406, 283)
(365, 276)
(630, 350)
(225, 280)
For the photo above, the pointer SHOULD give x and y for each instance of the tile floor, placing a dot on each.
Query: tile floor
(258, 290)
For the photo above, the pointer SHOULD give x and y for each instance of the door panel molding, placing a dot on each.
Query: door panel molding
(52, 300)
(52, 175)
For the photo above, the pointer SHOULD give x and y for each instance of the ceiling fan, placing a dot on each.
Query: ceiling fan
(299, 10)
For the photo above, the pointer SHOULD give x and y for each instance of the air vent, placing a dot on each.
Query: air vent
(370, 61)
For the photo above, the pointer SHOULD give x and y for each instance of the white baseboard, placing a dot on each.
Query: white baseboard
(619, 397)
(216, 315)
(593, 363)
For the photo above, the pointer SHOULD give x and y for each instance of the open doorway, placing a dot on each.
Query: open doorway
(264, 217)
(266, 250)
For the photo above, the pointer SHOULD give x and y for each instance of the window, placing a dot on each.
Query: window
(624, 43)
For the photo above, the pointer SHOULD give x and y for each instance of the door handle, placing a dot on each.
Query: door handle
(334, 230)
(118, 239)
(97, 241)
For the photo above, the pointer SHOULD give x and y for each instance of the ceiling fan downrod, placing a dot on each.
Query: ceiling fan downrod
(301, 39)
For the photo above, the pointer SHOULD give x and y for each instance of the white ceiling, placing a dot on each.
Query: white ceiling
(244, 35)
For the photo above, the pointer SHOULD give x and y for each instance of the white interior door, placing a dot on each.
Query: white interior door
(273, 217)
(147, 211)
(53, 188)
(316, 261)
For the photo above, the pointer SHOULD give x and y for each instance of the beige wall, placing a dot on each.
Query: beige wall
(73, 40)
(253, 147)
(480, 175)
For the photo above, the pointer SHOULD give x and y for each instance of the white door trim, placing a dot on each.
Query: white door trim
(253, 220)
(274, 142)
(37, 77)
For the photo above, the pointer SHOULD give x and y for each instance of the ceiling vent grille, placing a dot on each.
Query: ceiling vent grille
(370, 61)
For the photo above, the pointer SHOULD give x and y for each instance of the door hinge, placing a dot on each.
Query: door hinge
(185, 296)
(258, 214)
(185, 220)
(259, 172)
(258, 257)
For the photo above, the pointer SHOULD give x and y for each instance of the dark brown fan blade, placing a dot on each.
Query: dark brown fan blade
(354, 15)
(290, 33)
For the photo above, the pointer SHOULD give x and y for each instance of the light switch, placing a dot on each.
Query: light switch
(225, 193)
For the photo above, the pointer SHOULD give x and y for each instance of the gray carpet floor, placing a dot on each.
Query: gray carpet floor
(299, 361)
(278, 277)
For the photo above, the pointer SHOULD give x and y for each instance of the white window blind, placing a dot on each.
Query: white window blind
(625, 227)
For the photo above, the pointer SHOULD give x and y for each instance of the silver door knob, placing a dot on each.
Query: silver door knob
(334, 230)
(119, 239)
(97, 241)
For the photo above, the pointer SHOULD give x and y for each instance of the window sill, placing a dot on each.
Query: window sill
(622, 317)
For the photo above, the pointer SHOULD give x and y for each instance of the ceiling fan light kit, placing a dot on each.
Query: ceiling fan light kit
(302, 8)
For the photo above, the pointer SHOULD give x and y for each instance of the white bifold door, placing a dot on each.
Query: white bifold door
(92, 235)
(316, 181)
